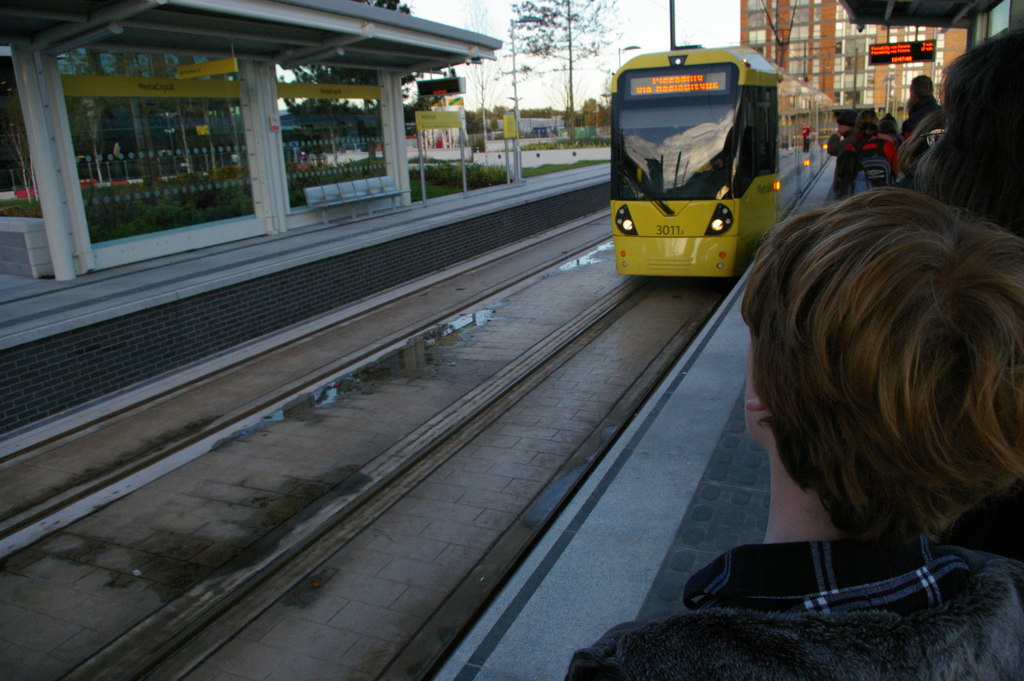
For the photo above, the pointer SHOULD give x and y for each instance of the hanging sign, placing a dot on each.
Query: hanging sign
(208, 68)
(902, 53)
(327, 91)
(441, 86)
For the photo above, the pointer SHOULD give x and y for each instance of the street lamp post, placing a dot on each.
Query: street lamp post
(625, 49)
(888, 89)
(518, 164)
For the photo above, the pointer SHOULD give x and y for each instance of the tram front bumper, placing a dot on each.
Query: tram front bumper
(702, 256)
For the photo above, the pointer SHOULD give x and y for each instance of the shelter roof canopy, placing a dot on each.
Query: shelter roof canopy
(286, 32)
(941, 13)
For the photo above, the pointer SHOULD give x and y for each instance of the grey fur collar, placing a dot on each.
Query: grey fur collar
(978, 635)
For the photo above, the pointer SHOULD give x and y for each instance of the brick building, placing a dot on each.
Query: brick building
(816, 41)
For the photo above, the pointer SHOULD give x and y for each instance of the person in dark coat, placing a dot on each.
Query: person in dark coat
(881, 426)
(844, 135)
(921, 103)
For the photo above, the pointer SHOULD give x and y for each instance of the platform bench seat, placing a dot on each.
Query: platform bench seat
(354, 192)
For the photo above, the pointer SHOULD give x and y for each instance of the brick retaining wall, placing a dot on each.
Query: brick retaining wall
(51, 375)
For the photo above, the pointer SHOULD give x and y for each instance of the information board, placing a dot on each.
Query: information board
(902, 53)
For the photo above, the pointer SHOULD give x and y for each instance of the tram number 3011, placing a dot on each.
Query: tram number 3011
(669, 230)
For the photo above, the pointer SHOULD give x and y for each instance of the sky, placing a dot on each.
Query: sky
(711, 23)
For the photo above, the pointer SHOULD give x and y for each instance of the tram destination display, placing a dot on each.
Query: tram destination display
(685, 83)
(902, 53)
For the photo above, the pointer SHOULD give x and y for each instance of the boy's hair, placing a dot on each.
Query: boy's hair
(887, 342)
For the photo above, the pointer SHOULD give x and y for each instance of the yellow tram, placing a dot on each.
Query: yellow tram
(709, 146)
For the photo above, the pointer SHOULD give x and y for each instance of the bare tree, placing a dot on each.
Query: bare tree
(483, 76)
(568, 30)
(781, 25)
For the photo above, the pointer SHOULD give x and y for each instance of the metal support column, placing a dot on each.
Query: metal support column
(392, 118)
(53, 162)
(258, 99)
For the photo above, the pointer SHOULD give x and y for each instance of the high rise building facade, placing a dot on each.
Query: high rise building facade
(815, 41)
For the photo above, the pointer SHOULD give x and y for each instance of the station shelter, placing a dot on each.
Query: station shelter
(154, 127)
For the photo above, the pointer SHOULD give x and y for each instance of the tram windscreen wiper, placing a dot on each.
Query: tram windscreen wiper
(663, 207)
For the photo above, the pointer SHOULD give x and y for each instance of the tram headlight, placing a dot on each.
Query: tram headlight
(721, 221)
(624, 221)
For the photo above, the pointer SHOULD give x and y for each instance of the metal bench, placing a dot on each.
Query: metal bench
(366, 191)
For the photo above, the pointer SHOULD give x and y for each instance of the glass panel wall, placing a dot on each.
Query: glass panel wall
(17, 185)
(155, 151)
(331, 127)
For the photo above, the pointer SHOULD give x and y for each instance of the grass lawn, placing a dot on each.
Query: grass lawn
(555, 167)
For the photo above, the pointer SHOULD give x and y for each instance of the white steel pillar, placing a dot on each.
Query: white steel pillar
(258, 97)
(53, 162)
(392, 117)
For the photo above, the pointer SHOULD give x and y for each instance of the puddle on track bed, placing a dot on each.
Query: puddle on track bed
(593, 257)
(419, 357)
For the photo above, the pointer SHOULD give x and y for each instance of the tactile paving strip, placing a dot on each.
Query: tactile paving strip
(730, 508)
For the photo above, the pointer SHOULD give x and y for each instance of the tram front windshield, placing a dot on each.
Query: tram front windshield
(672, 142)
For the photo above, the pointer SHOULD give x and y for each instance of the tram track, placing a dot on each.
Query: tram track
(420, 453)
(201, 616)
(128, 470)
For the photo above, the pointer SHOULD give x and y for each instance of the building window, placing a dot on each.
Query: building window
(999, 18)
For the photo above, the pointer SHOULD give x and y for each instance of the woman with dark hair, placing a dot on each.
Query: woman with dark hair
(977, 164)
(979, 161)
(921, 140)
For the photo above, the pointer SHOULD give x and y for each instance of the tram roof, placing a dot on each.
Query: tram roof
(941, 13)
(286, 32)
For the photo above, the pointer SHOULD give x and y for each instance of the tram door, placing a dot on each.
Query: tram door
(757, 164)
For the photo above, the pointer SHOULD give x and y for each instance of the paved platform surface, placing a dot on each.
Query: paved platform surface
(683, 484)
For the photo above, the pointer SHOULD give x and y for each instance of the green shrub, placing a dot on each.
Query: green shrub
(579, 143)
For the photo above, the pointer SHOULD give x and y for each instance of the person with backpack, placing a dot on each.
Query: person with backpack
(878, 157)
(866, 162)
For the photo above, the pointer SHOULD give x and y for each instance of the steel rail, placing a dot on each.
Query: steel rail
(188, 626)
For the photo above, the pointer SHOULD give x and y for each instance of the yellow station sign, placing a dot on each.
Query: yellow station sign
(438, 120)
(509, 123)
(129, 86)
(327, 91)
(213, 67)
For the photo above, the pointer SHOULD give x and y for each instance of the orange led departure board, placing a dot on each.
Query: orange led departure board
(690, 83)
(902, 53)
